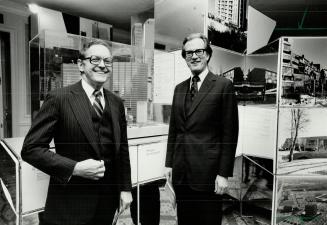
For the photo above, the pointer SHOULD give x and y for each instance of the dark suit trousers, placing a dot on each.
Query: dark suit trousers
(149, 204)
(197, 207)
(105, 215)
(106, 208)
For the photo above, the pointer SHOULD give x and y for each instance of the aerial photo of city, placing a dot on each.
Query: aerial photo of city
(301, 200)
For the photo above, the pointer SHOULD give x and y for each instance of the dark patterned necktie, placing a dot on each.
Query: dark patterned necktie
(97, 103)
(194, 86)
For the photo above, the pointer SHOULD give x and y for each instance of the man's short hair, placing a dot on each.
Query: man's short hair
(87, 44)
(207, 46)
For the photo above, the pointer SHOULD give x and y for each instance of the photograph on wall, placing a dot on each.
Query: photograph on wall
(257, 107)
(301, 200)
(257, 183)
(303, 72)
(254, 76)
(249, 196)
(227, 24)
(257, 82)
(302, 141)
(275, 19)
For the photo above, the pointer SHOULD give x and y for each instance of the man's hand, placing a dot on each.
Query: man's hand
(125, 200)
(168, 173)
(90, 169)
(221, 184)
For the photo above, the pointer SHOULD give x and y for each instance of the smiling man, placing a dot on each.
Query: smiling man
(90, 170)
(202, 138)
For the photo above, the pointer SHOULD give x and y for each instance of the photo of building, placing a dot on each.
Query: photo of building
(255, 80)
(229, 11)
(303, 75)
(227, 24)
(302, 143)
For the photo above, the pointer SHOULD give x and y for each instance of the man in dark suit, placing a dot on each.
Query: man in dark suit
(202, 137)
(90, 170)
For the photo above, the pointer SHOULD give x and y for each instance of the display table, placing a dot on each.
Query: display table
(26, 186)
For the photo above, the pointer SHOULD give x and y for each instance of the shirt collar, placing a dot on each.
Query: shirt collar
(89, 89)
(202, 75)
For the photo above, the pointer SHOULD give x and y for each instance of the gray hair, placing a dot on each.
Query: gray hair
(88, 44)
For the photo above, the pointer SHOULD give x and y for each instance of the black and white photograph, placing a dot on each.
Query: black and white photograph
(303, 72)
(257, 82)
(254, 76)
(257, 186)
(280, 18)
(302, 141)
(301, 200)
(163, 112)
(249, 198)
(227, 24)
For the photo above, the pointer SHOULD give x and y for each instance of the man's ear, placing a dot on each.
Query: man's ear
(80, 65)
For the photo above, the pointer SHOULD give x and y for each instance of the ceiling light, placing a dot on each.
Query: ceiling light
(34, 8)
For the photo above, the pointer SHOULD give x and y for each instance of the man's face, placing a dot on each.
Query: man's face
(196, 63)
(96, 75)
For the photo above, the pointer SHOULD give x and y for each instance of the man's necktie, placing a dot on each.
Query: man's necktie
(97, 103)
(194, 86)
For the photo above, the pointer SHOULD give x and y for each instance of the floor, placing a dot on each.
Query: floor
(168, 216)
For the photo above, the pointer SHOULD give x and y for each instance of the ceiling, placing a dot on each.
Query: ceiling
(115, 12)
(295, 17)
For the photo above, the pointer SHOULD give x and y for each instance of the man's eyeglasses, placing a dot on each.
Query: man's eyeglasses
(96, 60)
(198, 52)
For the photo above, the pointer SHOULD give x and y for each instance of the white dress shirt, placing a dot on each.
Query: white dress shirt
(202, 76)
(89, 92)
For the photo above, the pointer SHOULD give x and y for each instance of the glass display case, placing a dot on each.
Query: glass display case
(53, 64)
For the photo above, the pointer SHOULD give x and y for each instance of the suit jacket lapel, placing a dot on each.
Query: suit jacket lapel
(182, 95)
(114, 111)
(79, 103)
(205, 88)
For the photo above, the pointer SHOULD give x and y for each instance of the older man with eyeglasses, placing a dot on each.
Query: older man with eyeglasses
(202, 138)
(90, 170)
